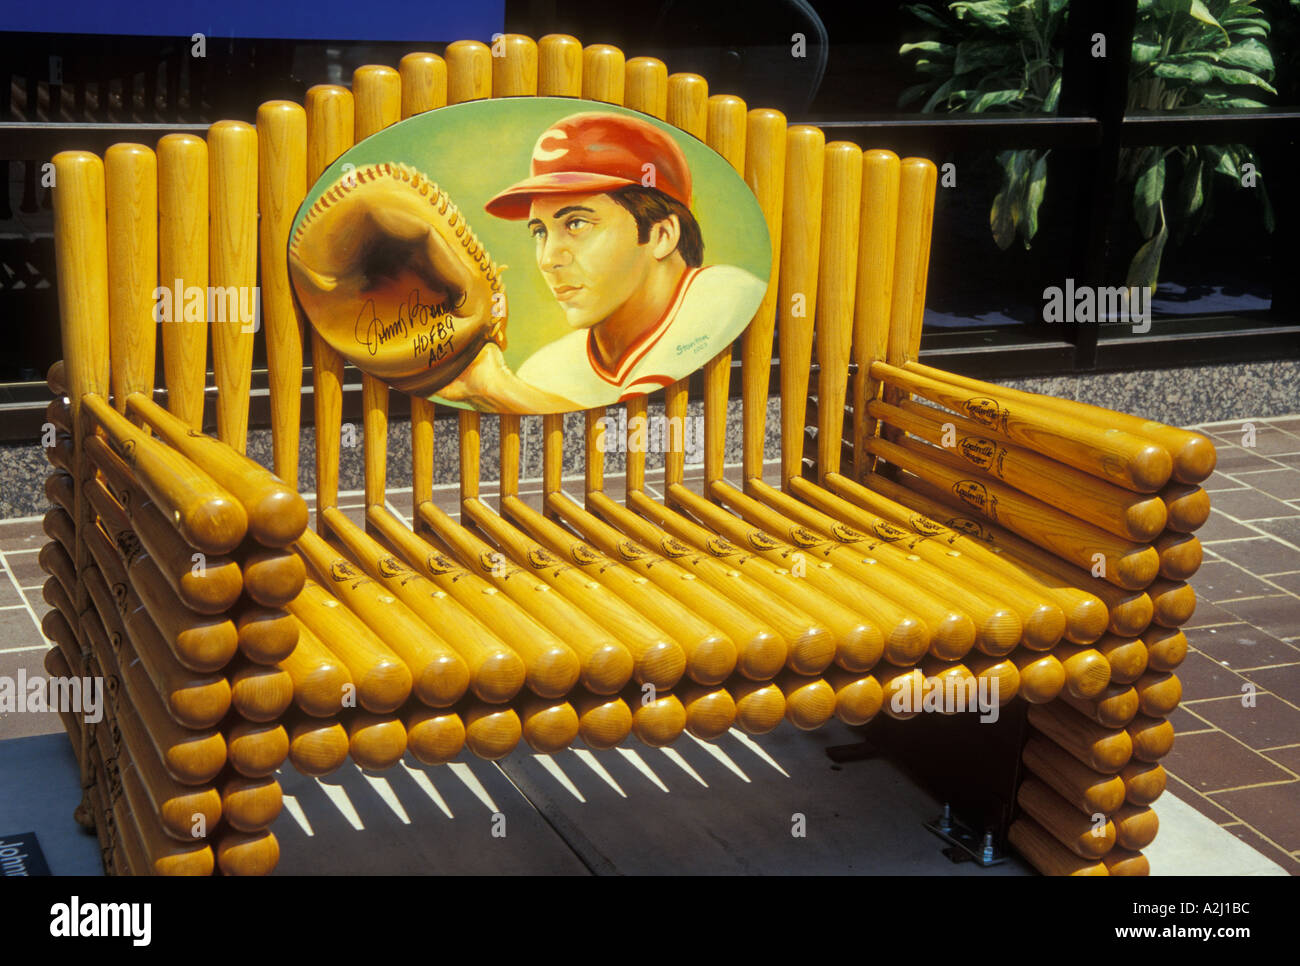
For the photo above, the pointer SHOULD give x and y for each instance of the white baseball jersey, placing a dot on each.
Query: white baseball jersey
(698, 324)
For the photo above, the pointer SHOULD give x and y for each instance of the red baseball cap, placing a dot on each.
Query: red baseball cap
(596, 151)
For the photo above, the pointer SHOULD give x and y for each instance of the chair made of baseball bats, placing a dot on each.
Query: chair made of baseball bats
(241, 639)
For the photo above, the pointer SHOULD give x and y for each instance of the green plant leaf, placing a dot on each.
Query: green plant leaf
(1053, 96)
(1190, 195)
(1144, 269)
(927, 46)
(1147, 194)
(1195, 73)
(994, 99)
(1144, 53)
(1035, 187)
(1201, 12)
(913, 93)
(991, 14)
(1229, 75)
(975, 54)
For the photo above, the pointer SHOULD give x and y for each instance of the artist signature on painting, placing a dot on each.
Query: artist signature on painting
(372, 332)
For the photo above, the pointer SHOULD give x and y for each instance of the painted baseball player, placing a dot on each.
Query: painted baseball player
(608, 203)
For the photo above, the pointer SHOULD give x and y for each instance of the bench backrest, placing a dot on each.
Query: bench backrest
(850, 235)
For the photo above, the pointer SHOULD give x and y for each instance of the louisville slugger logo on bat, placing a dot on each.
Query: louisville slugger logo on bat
(986, 412)
(984, 453)
(975, 494)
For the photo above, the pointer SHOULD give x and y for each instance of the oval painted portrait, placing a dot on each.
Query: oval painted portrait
(529, 255)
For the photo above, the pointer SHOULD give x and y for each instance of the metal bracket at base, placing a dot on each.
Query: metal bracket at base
(965, 845)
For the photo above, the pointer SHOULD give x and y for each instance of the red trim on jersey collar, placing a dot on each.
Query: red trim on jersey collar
(638, 349)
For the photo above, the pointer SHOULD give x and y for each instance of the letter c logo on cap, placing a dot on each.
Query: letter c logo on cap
(550, 154)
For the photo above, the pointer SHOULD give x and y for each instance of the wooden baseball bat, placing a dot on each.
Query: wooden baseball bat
(267, 635)
(1087, 673)
(1127, 564)
(761, 652)
(281, 187)
(491, 730)
(496, 673)
(1130, 612)
(1104, 750)
(183, 263)
(131, 196)
(1113, 708)
(248, 853)
(205, 583)
(57, 381)
(1144, 782)
(548, 726)
(433, 735)
(603, 721)
(898, 687)
(1166, 648)
(1158, 693)
(858, 643)
(276, 514)
(59, 413)
(986, 590)
(60, 454)
(330, 131)
(194, 700)
(810, 646)
(949, 631)
(1192, 455)
(208, 517)
(710, 711)
(1114, 509)
(1109, 454)
(164, 855)
(377, 95)
(441, 675)
(806, 167)
(232, 249)
(54, 561)
(260, 693)
(200, 643)
(1135, 827)
(552, 666)
(192, 757)
(1127, 657)
(809, 701)
(1121, 861)
(1180, 554)
(606, 664)
(424, 82)
(317, 746)
(469, 71)
(61, 491)
(858, 697)
(1085, 789)
(710, 655)
(320, 679)
(1001, 673)
(514, 68)
(176, 804)
(603, 73)
(58, 526)
(905, 637)
(658, 658)
(383, 681)
(1172, 601)
(656, 722)
(256, 749)
(1062, 821)
(1188, 506)
(272, 578)
(251, 804)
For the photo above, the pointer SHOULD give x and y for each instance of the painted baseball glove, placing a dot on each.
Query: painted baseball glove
(391, 276)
